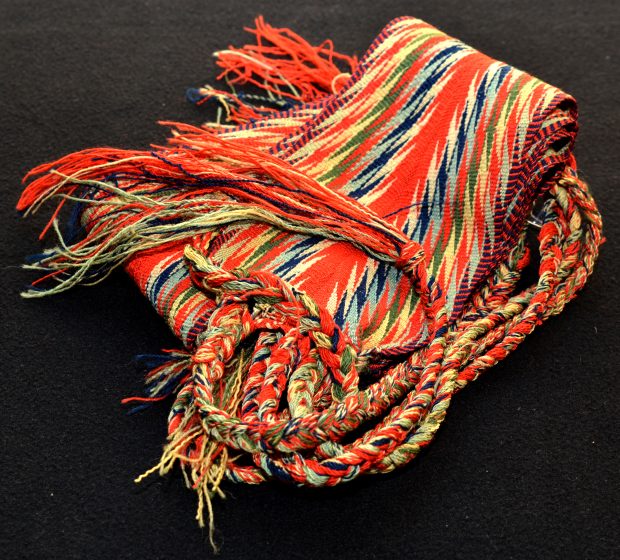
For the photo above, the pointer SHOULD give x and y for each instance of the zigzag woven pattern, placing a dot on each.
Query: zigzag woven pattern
(338, 255)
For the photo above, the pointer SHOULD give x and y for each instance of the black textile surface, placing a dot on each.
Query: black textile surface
(525, 464)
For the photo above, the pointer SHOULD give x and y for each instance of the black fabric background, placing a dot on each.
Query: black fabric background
(525, 464)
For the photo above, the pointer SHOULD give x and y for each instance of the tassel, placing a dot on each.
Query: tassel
(165, 374)
(138, 200)
(282, 60)
(284, 65)
(238, 107)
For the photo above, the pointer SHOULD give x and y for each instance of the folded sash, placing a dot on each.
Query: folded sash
(338, 256)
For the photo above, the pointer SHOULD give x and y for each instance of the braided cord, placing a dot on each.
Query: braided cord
(303, 415)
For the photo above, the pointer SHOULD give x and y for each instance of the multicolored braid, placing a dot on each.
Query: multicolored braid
(338, 257)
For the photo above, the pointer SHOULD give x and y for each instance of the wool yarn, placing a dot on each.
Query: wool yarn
(339, 253)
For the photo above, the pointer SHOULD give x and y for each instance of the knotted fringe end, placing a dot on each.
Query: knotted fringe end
(283, 65)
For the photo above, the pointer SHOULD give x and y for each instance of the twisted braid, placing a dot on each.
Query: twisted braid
(310, 342)
(303, 405)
